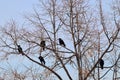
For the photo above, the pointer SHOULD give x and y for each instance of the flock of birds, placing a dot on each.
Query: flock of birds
(62, 43)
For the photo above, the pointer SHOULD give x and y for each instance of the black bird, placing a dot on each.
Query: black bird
(42, 44)
(101, 63)
(61, 42)
(20, 49)
(41, 59)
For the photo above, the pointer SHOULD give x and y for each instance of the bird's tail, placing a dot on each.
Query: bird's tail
(101, 67)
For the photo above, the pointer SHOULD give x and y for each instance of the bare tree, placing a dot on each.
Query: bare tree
(88, 37)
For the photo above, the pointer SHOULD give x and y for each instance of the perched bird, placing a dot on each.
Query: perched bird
(42, 44)
(20, 49)
(41, 59)
(61, 42)
(101, 63)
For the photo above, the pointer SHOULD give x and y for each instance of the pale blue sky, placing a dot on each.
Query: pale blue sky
(14, 9)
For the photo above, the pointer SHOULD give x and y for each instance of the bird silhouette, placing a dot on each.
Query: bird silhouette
(101, 63)
(61, 42)
(20, 49)
(42, 44)
(41, 59)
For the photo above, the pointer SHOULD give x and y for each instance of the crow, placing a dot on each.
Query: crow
(101, 63)
(61, 42)
(42, 44)
(41, 59)
(20, 49)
